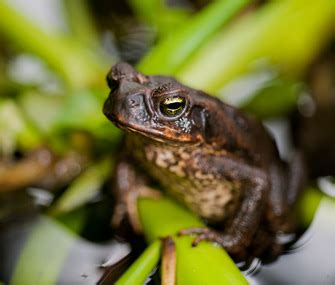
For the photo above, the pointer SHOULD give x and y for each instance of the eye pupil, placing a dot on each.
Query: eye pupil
(172, 106)
(175, 105)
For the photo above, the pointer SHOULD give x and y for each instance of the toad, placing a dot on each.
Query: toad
(212, 158)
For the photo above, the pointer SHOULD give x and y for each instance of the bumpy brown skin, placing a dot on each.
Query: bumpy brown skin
(212, 158)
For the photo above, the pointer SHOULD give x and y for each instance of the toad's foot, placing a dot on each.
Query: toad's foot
(127, 207)
(231, 244)
(204, 234)
(264, 245)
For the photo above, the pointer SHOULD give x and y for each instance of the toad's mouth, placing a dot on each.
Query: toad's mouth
(128, 128)
(159, 135)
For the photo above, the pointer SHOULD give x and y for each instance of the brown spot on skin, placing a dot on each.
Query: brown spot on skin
(211, 202)
(142, 79)
(184, 155)
(178, 170)
(164, 158)
(203, 176)
(150, 154)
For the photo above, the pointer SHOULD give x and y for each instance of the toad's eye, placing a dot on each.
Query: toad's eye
(172, 106)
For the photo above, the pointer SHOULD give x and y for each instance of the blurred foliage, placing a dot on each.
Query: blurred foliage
(260, 39)
(209, 48)
(82, 189)
(177, 47)
(277, 104)
(159, 15)
(38, 252)
(139, 271)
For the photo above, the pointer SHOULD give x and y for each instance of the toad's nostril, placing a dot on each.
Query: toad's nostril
(134, 101)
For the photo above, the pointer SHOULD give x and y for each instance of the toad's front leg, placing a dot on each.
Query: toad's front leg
(128, 186)
(241, 228)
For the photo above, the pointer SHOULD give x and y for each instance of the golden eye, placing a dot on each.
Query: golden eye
(172, 106)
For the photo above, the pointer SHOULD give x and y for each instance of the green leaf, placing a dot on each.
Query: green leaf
(41, 109)
(204, 264)
(15, 130)
(287, 34)
(308, 205)
(43, 255)
(83, 111)
(83, 189)
(170, 53)
(139, 271)
(278, 98)
(159, 15)
(78, 65)
(164, 217)
(80, 22)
